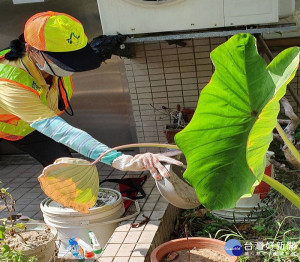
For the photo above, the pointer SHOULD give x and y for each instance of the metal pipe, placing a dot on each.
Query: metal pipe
(268, 30)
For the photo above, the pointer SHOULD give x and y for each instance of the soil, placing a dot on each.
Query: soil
(198, 255)
(32, 239)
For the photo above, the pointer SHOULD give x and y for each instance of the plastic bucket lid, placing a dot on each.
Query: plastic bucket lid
(107, 200)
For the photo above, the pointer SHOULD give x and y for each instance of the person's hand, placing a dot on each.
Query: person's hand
(147, 161)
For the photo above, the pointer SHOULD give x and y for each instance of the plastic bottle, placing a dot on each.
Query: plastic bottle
(75, 249)
(88, 250)
(94, 241)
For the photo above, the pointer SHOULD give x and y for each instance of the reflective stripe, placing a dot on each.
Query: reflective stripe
(68, 84)
(15, 132)
(4, 52)
(12, 127)
(20, 85)
(22, 79)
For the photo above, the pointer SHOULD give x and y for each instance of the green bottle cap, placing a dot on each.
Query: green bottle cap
(97, 251)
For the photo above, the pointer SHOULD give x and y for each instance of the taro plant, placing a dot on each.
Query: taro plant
(10, 228)
(226, 141)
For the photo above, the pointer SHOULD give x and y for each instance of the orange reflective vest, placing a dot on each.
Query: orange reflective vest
(12, 127)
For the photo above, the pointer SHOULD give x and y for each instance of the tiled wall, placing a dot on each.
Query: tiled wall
(167, 75)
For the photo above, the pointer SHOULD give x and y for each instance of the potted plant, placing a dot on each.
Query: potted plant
(179, 119)
(192, 250)
(19, 242)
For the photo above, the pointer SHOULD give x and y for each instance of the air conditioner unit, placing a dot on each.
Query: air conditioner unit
(141, 16)
(149, 16)
(17, 2)
(286, 8)
(250, 12)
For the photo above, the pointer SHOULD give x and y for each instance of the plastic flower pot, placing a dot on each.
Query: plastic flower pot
(181, 244)
(44, 252)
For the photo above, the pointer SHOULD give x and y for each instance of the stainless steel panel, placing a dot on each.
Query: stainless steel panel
(101, 99)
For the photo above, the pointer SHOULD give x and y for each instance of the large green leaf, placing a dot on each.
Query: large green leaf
(226, 141)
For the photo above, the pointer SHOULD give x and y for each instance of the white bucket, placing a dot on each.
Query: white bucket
(45, 252)
(245, 207)
(102, 220)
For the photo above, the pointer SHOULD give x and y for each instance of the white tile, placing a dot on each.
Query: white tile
(106, 259)
(186, 56)
(206, 67)
(174, 87)
(142, 84)
(184, 50)
(202, 55)
(152, 225)
(147, 237)
(203, 61)
(117, 237)
(158, 88)
(156, 71)
(143, 72)
(157, 77)
(156, 52)
(154, 65)
(168, 70)
(152, 59)
(121, 259)
(203, 41)
(173, 82)
(152, 46)
(203, 48)
(132, 237)
(136, 259)
(188, 62)
(125, 250)
(187, 68)
(172, 76)
(167, 58)
(189, 81)
(157, 215)
(110, 250)
(188, 74)
(140, 250)
(158, 82)
(171, 63)
(169, 51)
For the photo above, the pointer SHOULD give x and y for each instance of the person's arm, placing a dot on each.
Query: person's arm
(75, 138)
(27, 106)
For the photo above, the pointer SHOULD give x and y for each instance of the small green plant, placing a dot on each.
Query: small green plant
(10, 228)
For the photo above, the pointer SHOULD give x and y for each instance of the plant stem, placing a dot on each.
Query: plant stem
(135, 145)
(289, 194)
(187, 239)
(289, 144)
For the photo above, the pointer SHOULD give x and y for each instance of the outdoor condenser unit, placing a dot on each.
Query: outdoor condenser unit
(149, 16)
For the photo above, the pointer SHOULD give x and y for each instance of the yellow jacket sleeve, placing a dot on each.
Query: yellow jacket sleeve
(22, 103)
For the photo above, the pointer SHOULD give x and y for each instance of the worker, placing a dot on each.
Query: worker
(36, 88)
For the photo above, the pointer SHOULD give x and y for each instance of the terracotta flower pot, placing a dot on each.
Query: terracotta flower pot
(180, 244)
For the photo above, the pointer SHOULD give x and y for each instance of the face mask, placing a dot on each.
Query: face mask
(54, 69)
